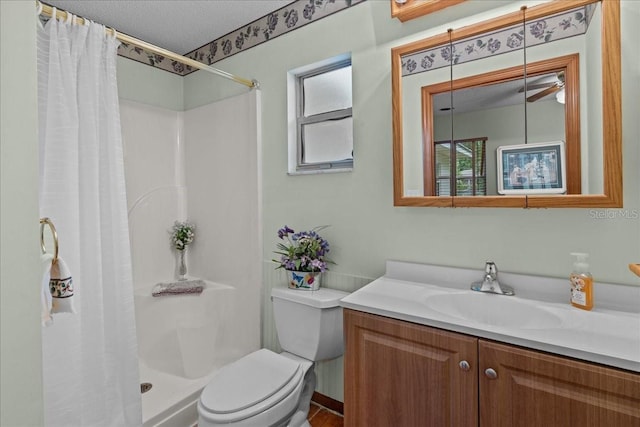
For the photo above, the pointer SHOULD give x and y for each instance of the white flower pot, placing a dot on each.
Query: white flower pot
(304, 280)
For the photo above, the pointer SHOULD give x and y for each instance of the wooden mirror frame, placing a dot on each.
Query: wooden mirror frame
(611, 116)
(411, 9)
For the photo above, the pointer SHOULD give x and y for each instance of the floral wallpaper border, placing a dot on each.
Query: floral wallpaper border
(288, 18)
(567, 24)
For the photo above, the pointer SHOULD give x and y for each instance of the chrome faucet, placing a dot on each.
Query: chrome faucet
(490, 282)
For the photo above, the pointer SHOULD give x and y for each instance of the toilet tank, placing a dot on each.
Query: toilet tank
(309, 323)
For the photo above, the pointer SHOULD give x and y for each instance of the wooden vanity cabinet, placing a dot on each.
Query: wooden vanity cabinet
(538, 389)
(403, 374)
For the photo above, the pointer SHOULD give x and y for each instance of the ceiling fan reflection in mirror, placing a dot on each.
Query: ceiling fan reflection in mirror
(549, 84)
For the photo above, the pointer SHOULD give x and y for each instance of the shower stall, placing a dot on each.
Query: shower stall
(202, 165)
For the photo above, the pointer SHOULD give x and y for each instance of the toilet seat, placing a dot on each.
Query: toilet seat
(251, 386)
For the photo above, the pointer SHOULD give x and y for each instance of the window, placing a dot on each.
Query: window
(320, 118)
(460, 168)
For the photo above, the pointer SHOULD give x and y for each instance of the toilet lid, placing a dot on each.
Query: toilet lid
(249, 381)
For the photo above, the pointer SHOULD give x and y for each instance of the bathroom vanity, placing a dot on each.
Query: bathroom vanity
(419, 354)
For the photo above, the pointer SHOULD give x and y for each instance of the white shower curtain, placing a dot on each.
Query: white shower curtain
(90, 357)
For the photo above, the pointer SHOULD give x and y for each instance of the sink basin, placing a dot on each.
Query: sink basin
(492, 310)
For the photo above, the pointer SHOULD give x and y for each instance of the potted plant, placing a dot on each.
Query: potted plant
(182, 235)
(303, 256)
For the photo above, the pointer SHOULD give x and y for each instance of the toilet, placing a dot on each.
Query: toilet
(270, 389)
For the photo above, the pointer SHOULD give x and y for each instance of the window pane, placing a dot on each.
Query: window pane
(464, 187)
(480, 165)
(464, 165)
(328, 141)
(443, 160)
(481, 186)
(329, 91)
(443, 187)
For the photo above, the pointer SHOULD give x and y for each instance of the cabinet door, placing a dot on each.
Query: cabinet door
(402, 374)
(537, 389)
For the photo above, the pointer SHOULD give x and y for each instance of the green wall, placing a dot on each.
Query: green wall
(145, 84)
(366, 229)
(20, 335)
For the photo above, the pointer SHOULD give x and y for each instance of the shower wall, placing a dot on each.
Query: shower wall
(223, 177)
(153, 146)
(202, 165)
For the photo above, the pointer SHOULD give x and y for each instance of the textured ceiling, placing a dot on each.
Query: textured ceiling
(178, 25)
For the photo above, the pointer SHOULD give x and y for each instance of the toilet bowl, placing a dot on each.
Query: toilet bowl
(261, 389)
(270, 389)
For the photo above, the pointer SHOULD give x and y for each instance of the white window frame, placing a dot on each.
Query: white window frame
(295, 104)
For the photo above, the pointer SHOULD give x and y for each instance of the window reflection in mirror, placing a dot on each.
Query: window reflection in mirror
(493, 105)
(460, 167)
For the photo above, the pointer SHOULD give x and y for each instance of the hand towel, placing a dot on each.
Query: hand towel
(45, 294)
(61, 288)
(194, 286)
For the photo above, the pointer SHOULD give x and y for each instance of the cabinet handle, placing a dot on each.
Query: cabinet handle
(491, 373)
(464, 365)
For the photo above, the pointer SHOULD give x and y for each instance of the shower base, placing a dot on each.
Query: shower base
(172, 401)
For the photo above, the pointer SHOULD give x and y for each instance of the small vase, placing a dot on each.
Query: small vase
(182, 265)
(304, 280)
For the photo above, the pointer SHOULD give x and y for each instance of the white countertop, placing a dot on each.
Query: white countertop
(605, 335)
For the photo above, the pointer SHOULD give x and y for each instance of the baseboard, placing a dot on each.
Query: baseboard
(328, 402)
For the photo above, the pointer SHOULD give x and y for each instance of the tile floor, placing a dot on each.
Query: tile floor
(320, 416)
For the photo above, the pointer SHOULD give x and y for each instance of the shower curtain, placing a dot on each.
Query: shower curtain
(89, 357)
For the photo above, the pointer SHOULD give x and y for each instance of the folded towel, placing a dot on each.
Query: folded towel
(45, 294)
(61, 288)
(194, 286)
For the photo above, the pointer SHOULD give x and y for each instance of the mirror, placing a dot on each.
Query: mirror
(490, 106)
(572, 55)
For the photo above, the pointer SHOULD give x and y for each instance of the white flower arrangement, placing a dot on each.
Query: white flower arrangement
(182, 234)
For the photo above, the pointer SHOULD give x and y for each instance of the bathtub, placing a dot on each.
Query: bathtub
(182, 342)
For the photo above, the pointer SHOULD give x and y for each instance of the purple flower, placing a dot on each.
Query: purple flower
(226, 47)
(303, 251)
(538, 29)
(565, 23)
(240, 41)
(514, 40)
(308, 11)
(493, 45)
(411, 65)
(288, 263)
(178, 67)
(272, 21)
(318, 265)
(292, 18)
(449, 53)
(427, 62)
(213, 48)
(284, 231)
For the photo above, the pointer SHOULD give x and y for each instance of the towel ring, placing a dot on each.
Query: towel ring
(52, 227)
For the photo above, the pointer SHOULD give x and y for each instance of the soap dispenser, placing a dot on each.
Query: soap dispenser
(581, 283)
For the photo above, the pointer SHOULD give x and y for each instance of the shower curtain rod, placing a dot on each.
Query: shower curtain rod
(63, 14)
